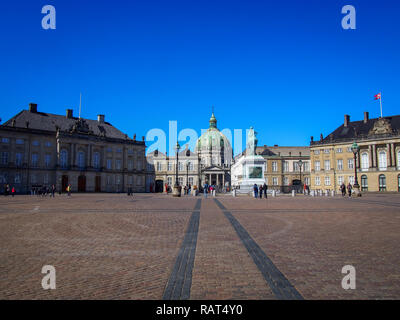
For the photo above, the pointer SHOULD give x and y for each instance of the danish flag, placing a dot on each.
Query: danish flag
(378, 96)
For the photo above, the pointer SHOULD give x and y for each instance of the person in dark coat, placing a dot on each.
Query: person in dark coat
(265, 188)
(343, 189)
(255, 189)
(260, 189)
(349, 188)
(53, 190)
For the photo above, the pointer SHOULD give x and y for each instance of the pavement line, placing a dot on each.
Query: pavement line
(180, 280)
(279, 284)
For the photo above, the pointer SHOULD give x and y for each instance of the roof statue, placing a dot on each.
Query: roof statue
(251, 142)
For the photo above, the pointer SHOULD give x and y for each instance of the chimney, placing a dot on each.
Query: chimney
(366, 117)
(33, 107)
(321, 137)
(100, 118)
(69, 113)
(346, 120)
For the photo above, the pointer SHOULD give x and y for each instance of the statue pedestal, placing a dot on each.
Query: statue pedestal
(176, 191)
(253, 167)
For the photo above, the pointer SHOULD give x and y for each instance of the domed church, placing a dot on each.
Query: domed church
(210, 162)
(215, 154)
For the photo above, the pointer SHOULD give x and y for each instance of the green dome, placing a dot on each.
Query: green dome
(212, 137)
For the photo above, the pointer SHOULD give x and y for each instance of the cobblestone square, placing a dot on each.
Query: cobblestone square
(154, 246)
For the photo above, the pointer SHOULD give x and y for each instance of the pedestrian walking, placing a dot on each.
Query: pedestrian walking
(12, 192)
(53, 190)
(205, 190)
(343, 189)
(265, 188)
(260, 190)
(255, 189)
(349, 188)
(69, 190)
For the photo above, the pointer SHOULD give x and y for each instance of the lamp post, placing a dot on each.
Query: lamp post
(355, 148)
(300, 163)
(177, 191)
(187, 174)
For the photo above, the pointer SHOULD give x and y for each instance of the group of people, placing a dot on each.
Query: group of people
(8, 190)
(343, 189)
(208, 189)
(44, 191)
(258, 190)
(187, 189)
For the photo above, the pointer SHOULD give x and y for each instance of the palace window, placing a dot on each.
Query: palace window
(35, 159)
(307, 180)
(180, 166)
(274, 166)
(286, 181)
(47, 160)
(109, 164)
(63, 158)
(169, 166)
(317, 165)
(351, 180)
(169, 181)
(19, 141)
(327, 165)
(364, 161)
(5, 140)
(327, 180)
(349, 150)
(191, 181)
(350, 163)
(316, 152)
(96, 160)
(364, 183)
(286, 166)
(81, 159)
(382, 160)
(4, 157)
(382, 182)
(139, 180)
(326, 150)
(18, 159)
(317, 181)
(47, 144)
(130, 164)
(33, 178)
(340, 164)
(118, 164)
(274, 181)
(158, 166)
(339, 150)
(46, 178)
(340, 180)
(17, 178)
(35, 143)
(306, 166)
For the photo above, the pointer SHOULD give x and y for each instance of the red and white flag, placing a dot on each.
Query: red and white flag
(378, 96)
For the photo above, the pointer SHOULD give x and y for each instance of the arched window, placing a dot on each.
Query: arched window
(63, 159)
(364, 161)
(364, 183)
(382, 182)
(382, 160)
(96, 160)
(81, 159)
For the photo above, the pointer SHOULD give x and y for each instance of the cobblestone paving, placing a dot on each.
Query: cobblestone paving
(111, 246)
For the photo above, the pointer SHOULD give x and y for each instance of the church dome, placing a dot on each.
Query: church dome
(212, 138)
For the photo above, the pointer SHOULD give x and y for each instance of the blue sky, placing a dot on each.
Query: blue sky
(285, 67)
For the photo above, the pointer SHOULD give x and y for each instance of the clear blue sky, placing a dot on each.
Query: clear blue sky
(285, 67)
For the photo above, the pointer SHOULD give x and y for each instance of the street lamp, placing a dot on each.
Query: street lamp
(177, 191)
(300, 163)
(187, 174)
(355, 148)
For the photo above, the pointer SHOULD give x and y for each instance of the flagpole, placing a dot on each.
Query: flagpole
(80, 105)
(380, 100)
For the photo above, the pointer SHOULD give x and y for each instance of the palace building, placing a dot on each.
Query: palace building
(210, 162)
(378, 160)
(41, 149)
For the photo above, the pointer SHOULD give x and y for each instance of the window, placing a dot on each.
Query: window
(3, 178)
(96, 160)
(339, 150)
(285, 166)
(169, 181)
(130, 151)
(340, 164)
(19, 141)
(47, 144)
(364, 161)
(158, 166)
(33, 178)
(306, 166)
(139, 163)
(382, 160)
(109, 164)
(327, 180)
(307, 180)
(317, 166)
(109, 149)
(275, 181)
(47, 160)
(108, 180)
(4, 157)
(382, 182)
(35, 143)
(119, 150)
(327, 165)
(17, 178)
(349, 150)
(18, 159)
(317, 181)
(130, 164)
(351, 180)
(118, 180)
(316, 152)
(46, 178)
(274, 166)
(35, 160)
(180, 179)
(326, 150)
(169, 166)
(5, 140)
(191, 181)
(286, 181)
(340, 180)
(180, 166)
(190, 166)
(130, 180)
(81, 160)
(296, 167)
(350, 163)
(118, 164)
(364, 183)
(139, 180)
(63, 158)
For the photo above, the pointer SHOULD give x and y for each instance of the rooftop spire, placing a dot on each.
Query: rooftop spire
(213, 120)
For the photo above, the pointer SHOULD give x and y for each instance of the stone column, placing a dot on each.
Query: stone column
(72, 154)
(374, 156)
(393, 150)
(89, 155)
(371, 157)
